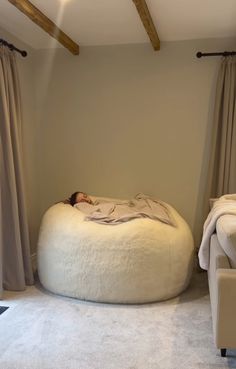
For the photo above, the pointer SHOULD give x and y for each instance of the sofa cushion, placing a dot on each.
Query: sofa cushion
(226, 233)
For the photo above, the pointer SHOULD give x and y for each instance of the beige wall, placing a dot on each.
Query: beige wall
(119, 120)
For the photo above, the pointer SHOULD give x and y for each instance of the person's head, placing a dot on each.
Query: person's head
(79, 196)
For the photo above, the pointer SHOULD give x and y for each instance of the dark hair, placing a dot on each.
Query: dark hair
(72, 198)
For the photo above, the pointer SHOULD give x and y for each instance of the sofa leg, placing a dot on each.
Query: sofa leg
(223, 352)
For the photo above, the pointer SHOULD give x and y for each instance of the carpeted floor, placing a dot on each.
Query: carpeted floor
(45, 331)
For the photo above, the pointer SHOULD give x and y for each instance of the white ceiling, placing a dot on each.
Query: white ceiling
(106, 22)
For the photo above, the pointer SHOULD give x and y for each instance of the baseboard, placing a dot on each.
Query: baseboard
(34, 262)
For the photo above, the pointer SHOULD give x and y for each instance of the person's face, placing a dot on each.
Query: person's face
(83, 197)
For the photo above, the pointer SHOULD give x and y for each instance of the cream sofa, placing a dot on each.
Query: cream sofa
(222, 283)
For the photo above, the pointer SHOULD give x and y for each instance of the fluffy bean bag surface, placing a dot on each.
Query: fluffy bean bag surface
(139, 261)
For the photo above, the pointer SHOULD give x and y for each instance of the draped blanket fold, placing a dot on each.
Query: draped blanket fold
(117, 212)
(224, 205)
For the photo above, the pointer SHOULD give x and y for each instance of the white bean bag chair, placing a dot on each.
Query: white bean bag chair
(139, 261)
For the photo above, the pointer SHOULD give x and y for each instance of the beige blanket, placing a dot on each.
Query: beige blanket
(224, 205)
(113, 213)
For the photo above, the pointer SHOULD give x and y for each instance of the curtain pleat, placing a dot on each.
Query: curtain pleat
(223, 159)
(15, 265)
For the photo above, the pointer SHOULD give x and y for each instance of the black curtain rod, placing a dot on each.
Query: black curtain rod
(223, 53)
(12, 47)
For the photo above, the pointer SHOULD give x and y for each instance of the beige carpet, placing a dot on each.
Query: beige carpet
(45, 331)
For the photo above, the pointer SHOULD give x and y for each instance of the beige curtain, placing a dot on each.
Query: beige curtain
(15, 267)
(223, 160)
(218, 175)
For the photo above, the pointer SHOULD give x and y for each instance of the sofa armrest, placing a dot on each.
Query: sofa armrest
(218, 258)
(225, 322)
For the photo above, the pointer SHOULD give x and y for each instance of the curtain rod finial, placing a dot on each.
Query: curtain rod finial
(199, 54)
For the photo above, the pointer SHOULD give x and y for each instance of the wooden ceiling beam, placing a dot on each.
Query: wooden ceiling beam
(147, 21)
(46, 24)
